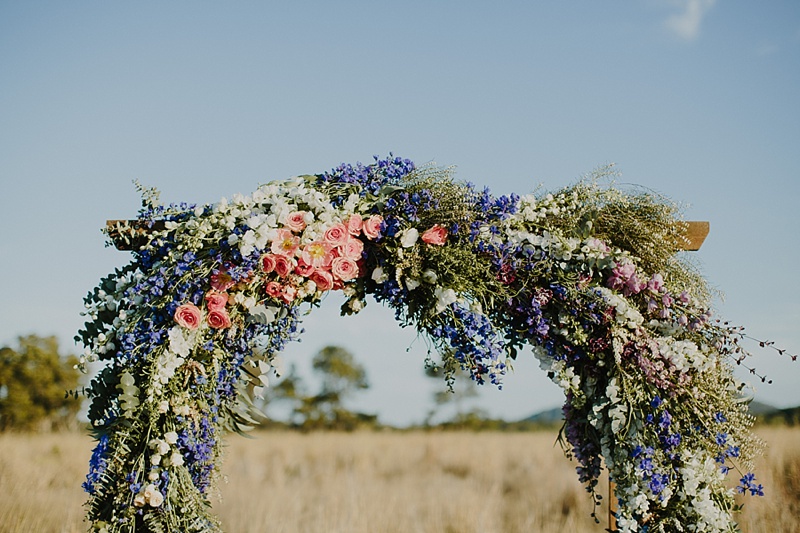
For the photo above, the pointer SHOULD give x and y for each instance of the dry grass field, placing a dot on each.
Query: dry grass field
(375, 482)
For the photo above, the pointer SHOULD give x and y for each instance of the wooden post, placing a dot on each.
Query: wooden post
(696, 233)
(612, 505)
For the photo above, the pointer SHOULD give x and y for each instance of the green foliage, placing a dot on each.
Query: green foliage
(34, 379)
(341, 373)
(457, 388)
(639, 221)
(341, 377)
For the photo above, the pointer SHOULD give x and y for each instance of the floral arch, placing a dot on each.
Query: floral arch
(587, 275)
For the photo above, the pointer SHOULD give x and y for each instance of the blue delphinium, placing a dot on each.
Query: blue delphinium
(477, 345)
(369, 178)
(97, 464)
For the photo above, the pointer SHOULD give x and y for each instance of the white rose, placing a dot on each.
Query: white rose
(444, 297)
(409, 237)
(153, 496)
(379, 276)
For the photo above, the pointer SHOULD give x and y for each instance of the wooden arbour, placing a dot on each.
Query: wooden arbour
(128, 235)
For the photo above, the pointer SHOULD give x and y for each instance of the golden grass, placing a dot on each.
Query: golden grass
(375, 482)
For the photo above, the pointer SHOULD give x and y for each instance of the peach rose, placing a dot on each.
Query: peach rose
(344, 268)
(436, 235)
(218, 319)
(268, 263)
(188, 316)
(296, 221)
(372, 227)
(322, 279)
(352, 249)
(273, 289)
(354, 224)
(303, 269)
(283, 266)
(216, 300)
(336, 235)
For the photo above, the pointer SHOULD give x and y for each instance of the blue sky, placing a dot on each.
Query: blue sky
(695, 99)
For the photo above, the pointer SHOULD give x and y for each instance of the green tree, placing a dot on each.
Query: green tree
(33, 382)
(457, 389)
(341, 376)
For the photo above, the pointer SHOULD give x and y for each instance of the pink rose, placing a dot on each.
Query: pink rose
(273, 289)
(322, 279)
(352, 249)
(354, 224)
(283, 266)
(296, 221)
(221, 281)
(318, 254)
(286, 243)
(344, 268)
(303, 269)
(372, 227)
(268, 263)
(218, 319)
(216, 300)
(435, 235)
(336, 235)
(188, 316)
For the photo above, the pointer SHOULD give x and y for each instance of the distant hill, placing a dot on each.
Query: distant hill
(763, 412)
(550, 416)
(789, 416)
(759, 409)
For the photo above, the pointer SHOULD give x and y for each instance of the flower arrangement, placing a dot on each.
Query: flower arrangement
(588, 276)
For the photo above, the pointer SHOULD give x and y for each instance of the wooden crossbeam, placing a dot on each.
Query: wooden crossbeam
(696, 233)
(132, 234)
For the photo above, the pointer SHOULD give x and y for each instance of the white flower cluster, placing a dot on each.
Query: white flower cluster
(563, 376)
(163, 453)
(568, 252)
(700, 475)
(626, 314)
(699, 497)
(104, 343)
(181, 342)
(269, 206)
(685, 355)
(128, 400)
(533, 209)
(148, 495)
(618, 412)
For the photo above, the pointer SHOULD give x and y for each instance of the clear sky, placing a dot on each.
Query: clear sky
(696, 99)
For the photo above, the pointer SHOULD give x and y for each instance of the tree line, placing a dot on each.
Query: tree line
(39, 391)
